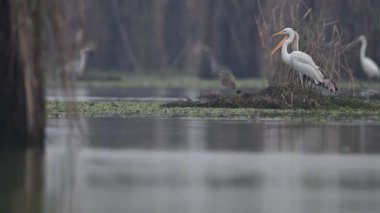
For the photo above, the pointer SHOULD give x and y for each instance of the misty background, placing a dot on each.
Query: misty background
(166, 36)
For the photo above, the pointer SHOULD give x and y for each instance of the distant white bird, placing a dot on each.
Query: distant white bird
(302, 62)
(369, 66)
(76, 67)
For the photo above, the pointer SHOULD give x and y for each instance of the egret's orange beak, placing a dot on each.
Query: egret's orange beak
(279, 45)
(279, 33)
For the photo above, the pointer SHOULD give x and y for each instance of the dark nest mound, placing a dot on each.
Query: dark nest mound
(277, 97)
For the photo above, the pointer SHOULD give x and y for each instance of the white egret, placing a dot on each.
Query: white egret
(302, 62)
(295, 47)
(76, 67)
(296, 41)
(368, 65)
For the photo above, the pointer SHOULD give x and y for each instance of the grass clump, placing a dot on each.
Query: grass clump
(273, 102)
(279, 97)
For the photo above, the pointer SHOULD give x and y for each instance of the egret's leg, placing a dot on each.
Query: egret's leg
(301, 78)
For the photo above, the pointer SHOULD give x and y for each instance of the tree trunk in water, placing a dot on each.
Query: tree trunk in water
(21, 78)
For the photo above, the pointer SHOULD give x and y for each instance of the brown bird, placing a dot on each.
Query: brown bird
(228, 80)
(226, 77)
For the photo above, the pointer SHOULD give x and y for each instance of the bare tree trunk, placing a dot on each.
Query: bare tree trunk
(22, 121)
(13, 116)
(124, 37)
(29, 29)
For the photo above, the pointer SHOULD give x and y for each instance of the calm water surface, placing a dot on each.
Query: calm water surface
(96, 93)
(147, 165)
(183, 165)
(110, 93)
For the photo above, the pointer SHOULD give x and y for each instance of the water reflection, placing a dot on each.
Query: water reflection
(201, 135)
(21, 180)
(94, 93)
(111, 93)
(184, 165)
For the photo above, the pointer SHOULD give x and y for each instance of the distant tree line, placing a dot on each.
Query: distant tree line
(140, 35)
(160, 35)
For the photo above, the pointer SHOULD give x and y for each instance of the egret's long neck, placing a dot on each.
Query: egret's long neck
(284, 51)
(295, 42)
(363, 48)
(214, 63)
(83, 55)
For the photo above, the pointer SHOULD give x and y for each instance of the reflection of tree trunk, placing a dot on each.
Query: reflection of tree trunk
(20, 182)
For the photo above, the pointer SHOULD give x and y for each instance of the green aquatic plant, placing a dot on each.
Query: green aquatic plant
(154, 109)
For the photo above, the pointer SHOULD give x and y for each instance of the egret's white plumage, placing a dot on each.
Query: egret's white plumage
(369, 66)
(78, 64)
(76, 67)
(300, 61)
(295, 47)
(296, 41)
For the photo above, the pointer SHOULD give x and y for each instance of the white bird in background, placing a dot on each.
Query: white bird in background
(302, 62)
(369, 66)
(76, 67)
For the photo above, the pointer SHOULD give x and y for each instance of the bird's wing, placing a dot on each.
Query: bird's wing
(224, 71)
(304, 64)
(307, 59)
(304, 58)
(227, 78)
(370, 67)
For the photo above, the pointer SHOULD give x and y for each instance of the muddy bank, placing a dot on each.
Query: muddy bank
(280, 97)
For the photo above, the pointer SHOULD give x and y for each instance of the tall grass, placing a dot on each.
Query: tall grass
(319, 37)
